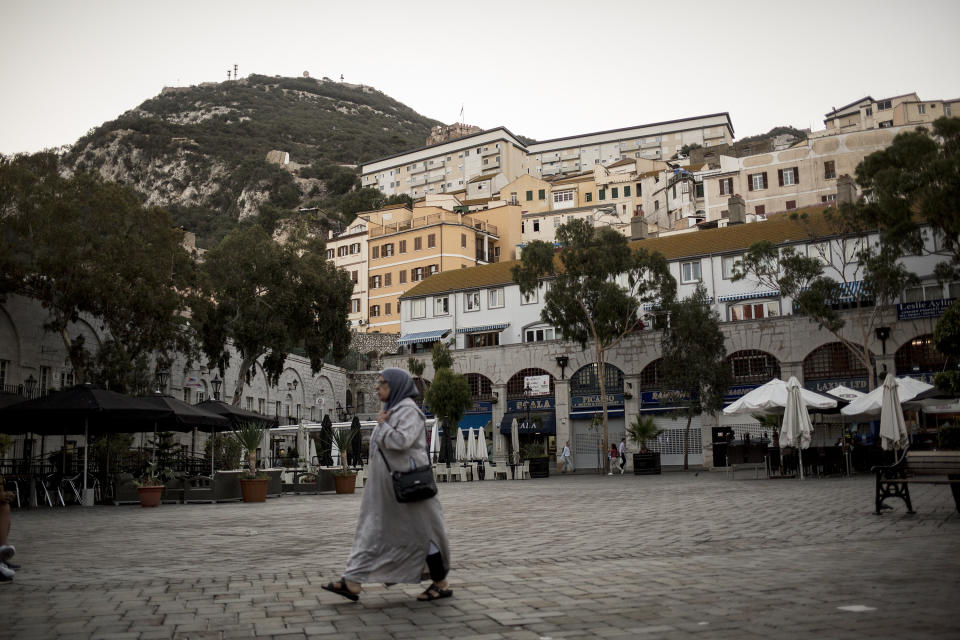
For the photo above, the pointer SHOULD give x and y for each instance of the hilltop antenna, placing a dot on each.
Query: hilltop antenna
(234, 71)
(228, 75)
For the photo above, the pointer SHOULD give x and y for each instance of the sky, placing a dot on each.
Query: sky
(544, 69)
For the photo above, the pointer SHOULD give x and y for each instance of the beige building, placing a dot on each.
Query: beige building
(407, 246)
(896, 111)
(348, 250)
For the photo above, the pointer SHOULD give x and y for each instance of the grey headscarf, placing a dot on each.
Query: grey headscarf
(401, 386)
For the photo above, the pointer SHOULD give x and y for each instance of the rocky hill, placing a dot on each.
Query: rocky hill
(201, 151)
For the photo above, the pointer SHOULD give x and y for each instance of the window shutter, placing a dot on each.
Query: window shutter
(780, 176)
(749, 183)
(766, 185)
(796, 175)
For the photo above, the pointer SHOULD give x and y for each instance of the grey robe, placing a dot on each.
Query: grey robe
(392, 539)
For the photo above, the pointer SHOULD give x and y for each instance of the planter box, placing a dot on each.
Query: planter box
(539, 467)
(345, 484)
(646, 463)
(150, 496)
(254, 489)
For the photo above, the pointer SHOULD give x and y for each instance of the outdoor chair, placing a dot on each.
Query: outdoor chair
(440, 473)
(51, 490)
(523, 471)
(13, 485)
(125, 490)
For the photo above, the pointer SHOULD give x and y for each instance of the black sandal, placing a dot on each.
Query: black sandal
(434, 592)
(341, 590)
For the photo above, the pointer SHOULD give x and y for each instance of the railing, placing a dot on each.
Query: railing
(431, 219)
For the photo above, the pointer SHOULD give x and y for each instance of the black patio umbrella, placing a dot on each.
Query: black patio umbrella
(326, 442)
(7, 399)
(356, 443)
(235, 416)
(185, 417)
(446, 446)
(81, 409)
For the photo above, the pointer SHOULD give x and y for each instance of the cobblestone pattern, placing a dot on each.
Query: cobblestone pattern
(672, 556)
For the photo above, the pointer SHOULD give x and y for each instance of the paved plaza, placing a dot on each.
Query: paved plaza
(681, 555)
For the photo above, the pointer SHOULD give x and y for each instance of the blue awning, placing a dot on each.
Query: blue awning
(749, 296)
(849, 291)
(474, 420)
(423, 336)
(484, 327)
(589, 413)
(547, 423)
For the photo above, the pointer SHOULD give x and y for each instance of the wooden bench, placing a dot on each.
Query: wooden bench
(917, 467)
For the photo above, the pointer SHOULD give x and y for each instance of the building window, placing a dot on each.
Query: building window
(626, 191)
(751, 366)
(529, 195)
(375, 311)
(601, 194)
(923, 292)
(690, 271)
(614, 192)
(883, 105)
(433, 269)
(830, 197)
(529, 298)
(540, 334)
(355, 306)
(495, 298)
(885, 124)
(416, 274)
(726, 186)
(754, 310)
(788, 177)
(760, 209)
(431, 240)
(386, 309)
(588, 196)
(536, 225)
(829, 170)
(562, 199)
(387, 279)
(820, 251)
(355, 276)
(791, 204)
(757, 181)
(403, 277)
(417, 244)
(441, 306)
(329, 254)
(403, 246)
(418, 308)
(728, 265)
(921, 109)
(375, 282)
(387, 250)
(476, 340)
(698, 189)
(463, 239)
(472, 301)
(375, 253)
(541, 194)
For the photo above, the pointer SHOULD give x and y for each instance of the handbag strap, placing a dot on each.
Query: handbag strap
(384, 459)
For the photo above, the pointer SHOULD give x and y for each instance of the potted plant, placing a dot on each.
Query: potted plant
(253, 487)
(644, 428)
(344, 480)
(150, 486)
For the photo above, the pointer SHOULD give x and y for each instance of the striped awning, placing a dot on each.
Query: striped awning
(423, 336)
(654, 306)
(484, 328)
(849, 291)
(749, 296)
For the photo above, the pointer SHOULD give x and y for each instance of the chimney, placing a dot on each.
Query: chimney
(736, 210)
(846, 190)
(638, 226)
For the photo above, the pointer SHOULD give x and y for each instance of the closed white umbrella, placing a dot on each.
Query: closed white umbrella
(515, 440)
(313, 453)
(772, 398)
(481, 446)
(893, 428)
(460, 451)
(434, 443)
(303, 443)
(797, 429)
(872, 403)
(471, 445)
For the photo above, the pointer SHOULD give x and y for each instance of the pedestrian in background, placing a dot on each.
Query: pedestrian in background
(393, 539)
(622, 451)
(565, 458)
(613, 457)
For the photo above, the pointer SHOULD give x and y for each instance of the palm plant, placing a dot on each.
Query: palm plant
(343, 438)
(643, 428)
(249, 435)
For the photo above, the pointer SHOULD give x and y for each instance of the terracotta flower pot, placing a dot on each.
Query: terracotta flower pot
(150, 496)
(254, 489)
(344, 483)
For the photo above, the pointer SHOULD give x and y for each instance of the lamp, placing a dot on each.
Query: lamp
(562, 362)
(292, 386)
(882, 333)
(29, 385)
(215, 383)
(161, 376)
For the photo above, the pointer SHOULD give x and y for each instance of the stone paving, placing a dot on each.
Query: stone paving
(682, 555)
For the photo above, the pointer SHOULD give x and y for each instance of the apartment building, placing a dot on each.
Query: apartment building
(348, 250)
(450, 166)
(896, 111)
(407, 246)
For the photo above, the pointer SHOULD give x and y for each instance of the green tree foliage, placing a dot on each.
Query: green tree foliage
(415, 367)
(449, 398)
(441, 357)
(599, 284)
(844, 287)
(226, 450)
(80, 245)
(268, 299)
(694, 359)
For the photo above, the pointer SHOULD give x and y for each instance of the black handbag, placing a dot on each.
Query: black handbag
(414, 485)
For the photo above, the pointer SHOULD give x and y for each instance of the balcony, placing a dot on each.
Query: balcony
(491, 151)
(432, 219)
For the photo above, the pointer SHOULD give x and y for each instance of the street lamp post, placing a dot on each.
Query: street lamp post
(215, 383)
(161, 379)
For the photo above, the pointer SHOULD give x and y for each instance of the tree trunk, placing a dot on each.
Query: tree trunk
(686, 442)
(252, 461)
(76, 361)
(241, 377)
(601, 366)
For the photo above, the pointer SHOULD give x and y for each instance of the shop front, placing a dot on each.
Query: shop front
(536, 424)
(586, 414)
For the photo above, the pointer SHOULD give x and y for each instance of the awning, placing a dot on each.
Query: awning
(749, 296)
(584, 414)
(475, 420)
(484, 327)
(849, 291)
(547, 420)
(423, 336)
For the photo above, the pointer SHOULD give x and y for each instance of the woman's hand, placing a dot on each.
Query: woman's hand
(383, 416)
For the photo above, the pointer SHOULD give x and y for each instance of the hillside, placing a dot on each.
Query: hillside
(201, 151)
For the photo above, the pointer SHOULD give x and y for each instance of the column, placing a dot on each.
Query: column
(499, 409)
(631, 409)
(707, 423)
(562, 412)
(788, 369)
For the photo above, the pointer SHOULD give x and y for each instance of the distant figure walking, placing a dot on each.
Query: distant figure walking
(613, 457)
(565, 459)
(393, 539)
(622, 451)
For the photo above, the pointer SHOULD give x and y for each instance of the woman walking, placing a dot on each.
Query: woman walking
(394, 540)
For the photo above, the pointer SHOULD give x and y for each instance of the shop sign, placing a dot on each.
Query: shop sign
(650, 399)
(480, 407)
(735, 393)
(614, 401)
(922, 309)
(536, 404)
(822, 386)
(538, 385)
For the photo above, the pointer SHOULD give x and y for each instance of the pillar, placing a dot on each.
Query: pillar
(499, 409)
(562, 411)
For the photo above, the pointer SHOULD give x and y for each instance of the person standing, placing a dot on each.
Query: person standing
(7, 568)
(613, 457)
(622, 451)
(393, 540)
(565, 458)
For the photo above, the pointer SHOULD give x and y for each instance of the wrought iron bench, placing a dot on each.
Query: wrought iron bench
(917, 467)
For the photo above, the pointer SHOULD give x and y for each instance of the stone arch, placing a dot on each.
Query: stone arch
(515, 383)
(585, 380)
(651, 375)
(10, 346)
(833, 361)
(920, 355)
(753, 366)
(481, 387)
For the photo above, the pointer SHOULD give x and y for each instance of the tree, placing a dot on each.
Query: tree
(599, 284)
(448, 396)
(80, 245)
(441, 357)
(847, 271)
(694, 359)
(268, 299)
